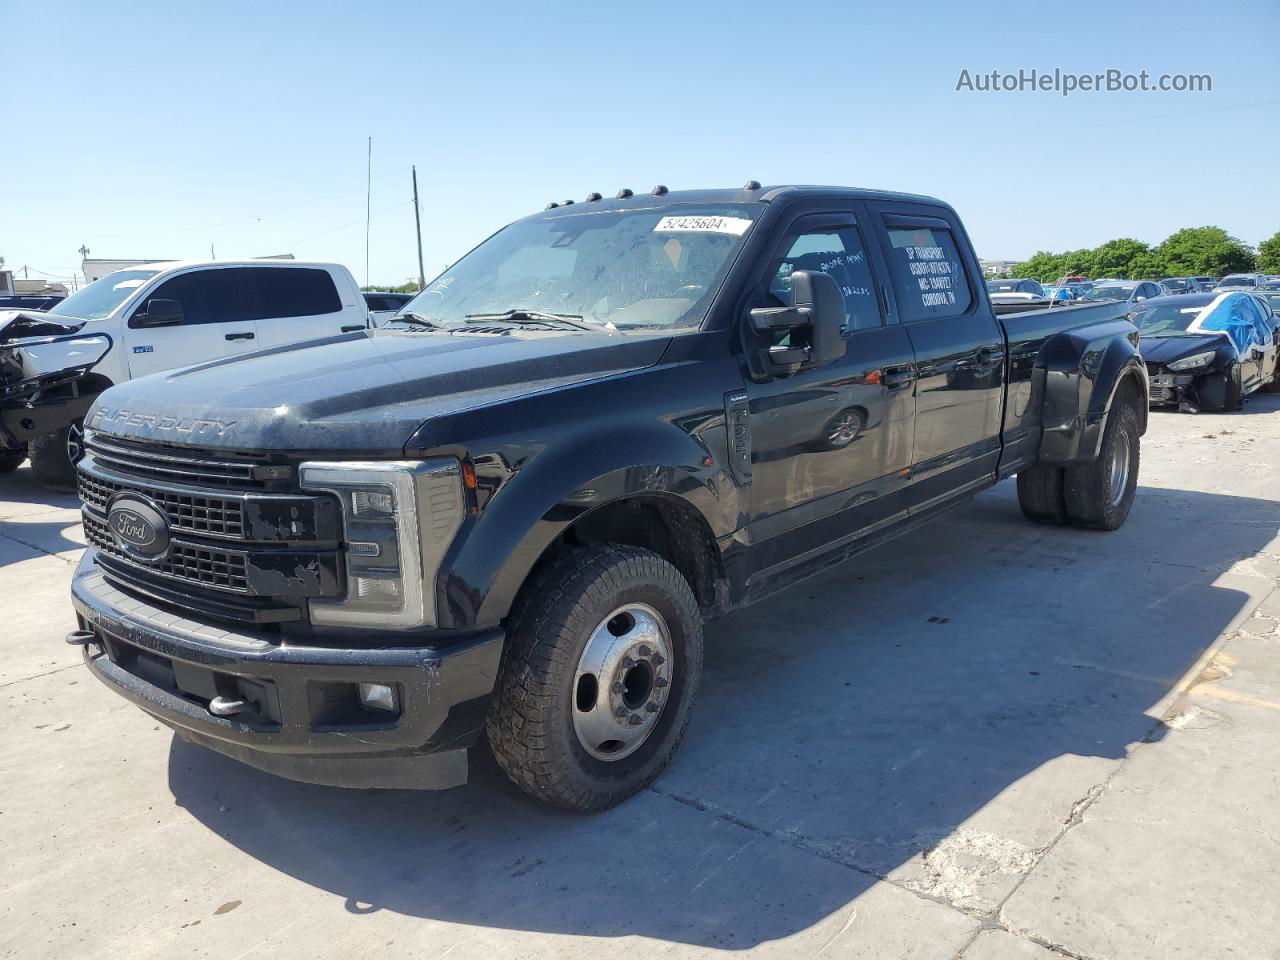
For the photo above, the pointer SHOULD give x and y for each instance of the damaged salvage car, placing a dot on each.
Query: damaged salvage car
(1208, 351)
(45, 366)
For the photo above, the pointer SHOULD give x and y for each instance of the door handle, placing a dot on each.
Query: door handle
(897, 379)
(354, 327)
(239, 336)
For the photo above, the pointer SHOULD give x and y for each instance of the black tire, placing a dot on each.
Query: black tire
(531, 723)
(51, 463)
(1089, 490)
(1040, 494)
(1235, 389)
(10, 460)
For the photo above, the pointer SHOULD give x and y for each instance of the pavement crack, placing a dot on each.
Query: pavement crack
(39, 549)
(36, 676)
(804, 844)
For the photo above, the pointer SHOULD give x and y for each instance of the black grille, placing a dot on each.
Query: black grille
(194, 563)
(195, 513)
(174, 464)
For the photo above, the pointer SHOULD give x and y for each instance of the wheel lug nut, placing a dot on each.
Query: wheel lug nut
(651, 707)
(621, 713)
(628, 663)
(644, 650)
(660, 682)
(618, 687)
(636, 720)
(659, 659)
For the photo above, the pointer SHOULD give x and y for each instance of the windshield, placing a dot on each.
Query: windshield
(99, 298)
(1165, 320)
(1238, 282)
(1174, 283)
(1111, 291)
(1001, 286)
(624, 269)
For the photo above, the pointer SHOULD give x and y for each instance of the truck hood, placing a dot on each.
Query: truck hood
(362, 394)
(1164, 350)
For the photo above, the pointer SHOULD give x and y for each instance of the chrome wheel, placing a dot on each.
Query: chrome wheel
(844, 429)
(1119, 473)
(621, 684)
(75, 441)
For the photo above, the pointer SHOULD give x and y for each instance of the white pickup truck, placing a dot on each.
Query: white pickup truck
(144, 320)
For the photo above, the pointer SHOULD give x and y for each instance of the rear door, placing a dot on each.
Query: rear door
(830, 444)
(216, 322)
(300, 303)
(959, 350)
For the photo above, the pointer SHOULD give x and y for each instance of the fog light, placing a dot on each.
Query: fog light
(378, 696)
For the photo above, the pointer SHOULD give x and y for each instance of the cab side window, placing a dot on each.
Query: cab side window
(206, 296)
(292, 292)
(929, 276)
(840, 254)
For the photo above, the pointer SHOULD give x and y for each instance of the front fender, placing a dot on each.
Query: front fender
(498, 547)
(1081, 370)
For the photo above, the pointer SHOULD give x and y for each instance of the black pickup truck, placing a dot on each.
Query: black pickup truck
(509, 511)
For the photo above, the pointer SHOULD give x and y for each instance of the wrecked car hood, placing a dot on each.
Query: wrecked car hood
(364, 393)
(37, 352)
(1168, 349)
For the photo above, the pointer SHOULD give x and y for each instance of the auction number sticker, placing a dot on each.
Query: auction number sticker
(734, 226)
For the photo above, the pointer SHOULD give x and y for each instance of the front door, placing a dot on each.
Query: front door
(214, 323)
(831, 443)
(959, 351)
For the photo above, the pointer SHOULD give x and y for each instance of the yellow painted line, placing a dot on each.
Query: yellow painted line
(1213, 692)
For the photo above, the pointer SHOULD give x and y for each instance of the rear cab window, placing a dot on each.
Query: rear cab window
(279, 292)
(928, 272)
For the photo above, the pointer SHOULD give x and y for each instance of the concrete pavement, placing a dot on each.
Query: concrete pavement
(989, 740)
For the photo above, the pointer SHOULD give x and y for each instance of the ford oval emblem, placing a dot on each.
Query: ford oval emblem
(138, 527)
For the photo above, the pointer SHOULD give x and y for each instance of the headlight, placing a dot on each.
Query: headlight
(398, 520)
(1193, 361)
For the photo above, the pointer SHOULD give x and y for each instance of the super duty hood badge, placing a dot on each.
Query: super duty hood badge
(187, 426)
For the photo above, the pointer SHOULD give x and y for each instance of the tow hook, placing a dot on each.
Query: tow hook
(81, 638)
(225, 707)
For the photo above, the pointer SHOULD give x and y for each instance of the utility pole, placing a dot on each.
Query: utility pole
(417, 219)
(368, 195)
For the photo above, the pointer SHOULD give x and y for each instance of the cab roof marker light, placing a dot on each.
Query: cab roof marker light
(551, 206)
(593, 197)
(624, 193)
(659, 190)
(565, 203)
(751, 185)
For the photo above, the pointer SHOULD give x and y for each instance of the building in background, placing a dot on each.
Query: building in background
(97, 269)
(996, 268)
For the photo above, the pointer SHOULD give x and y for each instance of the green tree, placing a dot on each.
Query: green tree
(1269, 254)
(1204, 250)
(1116, 258)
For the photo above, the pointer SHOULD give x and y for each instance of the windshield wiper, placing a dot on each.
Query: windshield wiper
(521, 316)
(420, 320)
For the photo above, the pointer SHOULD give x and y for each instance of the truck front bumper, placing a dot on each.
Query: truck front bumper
(302, 717)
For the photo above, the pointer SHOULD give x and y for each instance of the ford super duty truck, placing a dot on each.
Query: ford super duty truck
(508, 512)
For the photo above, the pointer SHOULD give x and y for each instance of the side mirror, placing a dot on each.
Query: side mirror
(815, 322)
(160, 313)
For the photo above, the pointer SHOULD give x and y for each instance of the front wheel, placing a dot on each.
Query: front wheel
(54, 456)
(1100, 494)
(599, 677)
(10, 460)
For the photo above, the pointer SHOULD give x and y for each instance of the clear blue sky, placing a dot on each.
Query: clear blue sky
(157, 129)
